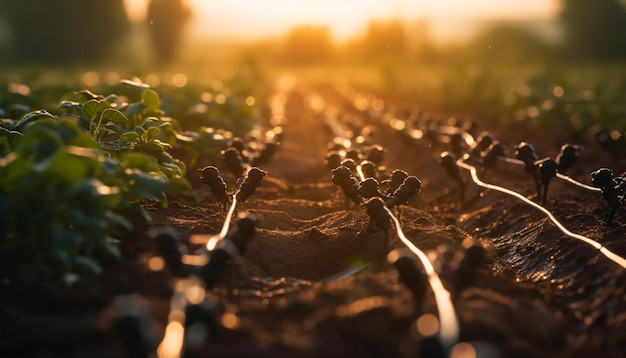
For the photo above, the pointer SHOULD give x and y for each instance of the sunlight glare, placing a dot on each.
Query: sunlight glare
(250, 19)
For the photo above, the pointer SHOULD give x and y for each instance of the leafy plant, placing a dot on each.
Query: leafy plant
(71, 183)
(122, 128)
(63, 202)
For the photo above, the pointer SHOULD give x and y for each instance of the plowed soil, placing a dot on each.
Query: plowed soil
(314, 281)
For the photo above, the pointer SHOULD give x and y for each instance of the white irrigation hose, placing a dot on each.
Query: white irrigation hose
(449, 332)
(188, 290)
(558, 175)
(606, 252)
(185, 292)
(577, 183)
(359, 170)
(210, 245)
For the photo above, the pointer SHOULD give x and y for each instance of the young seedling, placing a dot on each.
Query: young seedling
(350, 164)
(396, 179)
(266, 153)
(234, 162)
(567, 157)
(169, 247)
(448, 162)
(526, 153)
(238, 144)
(409, 188)
(249, 184)
(612, 190)
(354, 155)
(547, 169)
(210, 176)
(491, 155)
(342, 177)
(368, 188)
(458, 144)
(409, 274)
(375, 154)
(333, 159)
(369, 169)
(379, 217)
(466, 271)
(483, 142)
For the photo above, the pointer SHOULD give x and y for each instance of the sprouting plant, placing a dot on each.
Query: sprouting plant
(121, 127)
(448, 162)
(210, 176)
(342, 177)
(613, 190)
(63, 202)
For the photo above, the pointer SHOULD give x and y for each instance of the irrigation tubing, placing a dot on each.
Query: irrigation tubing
(606, 252)
(188, 290)
(449, 323)
(449, 332)
(210, 245)
(558, 175)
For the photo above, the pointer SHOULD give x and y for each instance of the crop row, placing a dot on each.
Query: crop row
(193, 316)
(93, 160)
(485, 152)
(356, 167)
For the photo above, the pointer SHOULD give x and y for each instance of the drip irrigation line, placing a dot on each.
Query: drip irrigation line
(577, 183)
(606, 252)
(449, 331)
(558, 175)
(359, 170)
(188, 290)
(171, 345)
(511, 160)
(210, 245)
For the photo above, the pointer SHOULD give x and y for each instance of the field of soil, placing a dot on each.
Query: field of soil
(292, 293)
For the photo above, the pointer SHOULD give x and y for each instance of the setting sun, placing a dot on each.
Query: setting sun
(255, 19)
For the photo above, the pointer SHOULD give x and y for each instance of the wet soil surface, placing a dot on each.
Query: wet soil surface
(295, 291)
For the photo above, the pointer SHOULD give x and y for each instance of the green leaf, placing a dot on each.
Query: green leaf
(139, 161)
(153, 132)
(130, 136)
(94, 107)
(69, 167)
(70, 107)
(114, 115)
(153, 148)
(70, 278)
(88, 95)
(152, 100)
(87, 264)
(134, 84)
(147, 185)
(110, 99)
(109, 247)
(134, 108)
(118, 220)
(32, 117)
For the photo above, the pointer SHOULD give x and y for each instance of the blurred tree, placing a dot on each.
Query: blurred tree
(504, 43)
(63, 31)
(385, 38)
(595, 28)
(166, 19)
(308, 44)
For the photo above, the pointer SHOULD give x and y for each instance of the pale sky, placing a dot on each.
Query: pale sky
(260, 18)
